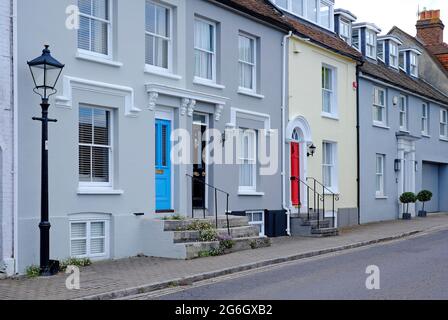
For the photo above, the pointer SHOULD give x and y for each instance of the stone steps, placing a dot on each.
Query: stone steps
(179, 225)
(205, 249)
(314, 224)
(325, 232)
(235, 232)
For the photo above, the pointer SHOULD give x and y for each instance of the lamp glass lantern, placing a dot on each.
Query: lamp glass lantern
(45, 71)
(311, 150)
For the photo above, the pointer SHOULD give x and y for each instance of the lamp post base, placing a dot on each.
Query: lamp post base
(52, 269)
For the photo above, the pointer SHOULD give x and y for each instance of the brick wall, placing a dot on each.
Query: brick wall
(6, 133)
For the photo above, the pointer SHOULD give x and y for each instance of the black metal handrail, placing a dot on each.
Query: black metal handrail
(317, 199)
(216, 191)
(326, 192)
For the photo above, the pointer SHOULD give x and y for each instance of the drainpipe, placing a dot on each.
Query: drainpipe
(358, 142)
(284, 104)
(14, 37)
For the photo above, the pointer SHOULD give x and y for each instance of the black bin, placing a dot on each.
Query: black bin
(275, 224)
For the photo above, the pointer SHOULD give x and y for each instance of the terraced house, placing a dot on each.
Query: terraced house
(135, 72)
(321, 136)
(403, 124)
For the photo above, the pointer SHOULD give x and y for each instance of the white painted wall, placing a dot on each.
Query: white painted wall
(6, 138)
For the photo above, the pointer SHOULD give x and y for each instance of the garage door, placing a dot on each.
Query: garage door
(431, 183)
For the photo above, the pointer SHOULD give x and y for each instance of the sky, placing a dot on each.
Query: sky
(388, 13)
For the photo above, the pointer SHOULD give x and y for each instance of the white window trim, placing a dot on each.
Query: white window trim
(89, 219)
(384, 107)
(358, 31)
(100, 187)
(444, 135)
(383, 59)
(346, 38)
(305, 10)
(249, 189)
(198, 79)
(380, 193)
(334, 114)
(258, 223)
(426, 119)
(374, 44)
(82, 53)
(405, 112)
(412, 54)
(397, 57)
(334, 172)
(404, 60)
(254, 65)
(155, 69)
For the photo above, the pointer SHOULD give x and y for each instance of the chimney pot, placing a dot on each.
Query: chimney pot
(430, 27)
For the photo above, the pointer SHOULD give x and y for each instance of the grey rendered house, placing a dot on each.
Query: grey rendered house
(6, 140)
(135, 72)
(403, 128)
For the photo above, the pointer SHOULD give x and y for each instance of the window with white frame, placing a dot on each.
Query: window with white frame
(380, 50)
(158, 39)
(95, 147)
(414, 64)
(425, 119)
(402, 60)
(345, 31)
(89, 239)
(328, 90)
(248, 160)
(94, 33)
(355, 39)
(256, 219)
(379, 106)
(247, 62)
(205, 49)
(317, 11)
(403, 101)
(393, 55)
(380, 174)
(444, 124)
(371, 44)
(329, 165)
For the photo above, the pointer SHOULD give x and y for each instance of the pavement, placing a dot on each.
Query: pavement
(410, 269)
(127, 277)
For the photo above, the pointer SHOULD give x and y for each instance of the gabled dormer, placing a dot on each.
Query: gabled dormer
(343, 22)
(388, 48)
(364, 39)
(409, 61)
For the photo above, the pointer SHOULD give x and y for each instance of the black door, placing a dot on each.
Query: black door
(199, 166)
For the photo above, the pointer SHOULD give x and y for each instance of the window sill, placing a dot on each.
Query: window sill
(207, 83)
(99, 191)
(162, 73)
(381, 126)
(424, 135)
(330, 116)
(405, 131)
(91, 58)
(249, 93)
(444, 139)
(381, 197)
(250, 194)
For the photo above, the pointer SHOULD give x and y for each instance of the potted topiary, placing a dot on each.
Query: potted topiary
(424, 196)
(407, 198)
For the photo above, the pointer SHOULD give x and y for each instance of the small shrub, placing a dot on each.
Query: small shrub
(75, 262)
(217, 252)
(407, 198)
(208, 235)
(176, 217)
(254, 244)
(424, 196)
(204, 254)
(226, 242)
(32, 271)
(200, 226)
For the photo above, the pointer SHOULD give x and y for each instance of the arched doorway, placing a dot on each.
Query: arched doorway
(299, 138)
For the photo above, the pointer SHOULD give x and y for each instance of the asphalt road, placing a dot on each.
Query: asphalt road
(415, 268)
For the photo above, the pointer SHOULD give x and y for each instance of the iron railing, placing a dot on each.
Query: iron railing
(317, 199)
(215, 192)
(325, 193)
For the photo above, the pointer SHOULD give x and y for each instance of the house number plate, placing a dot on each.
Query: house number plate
(160, 171)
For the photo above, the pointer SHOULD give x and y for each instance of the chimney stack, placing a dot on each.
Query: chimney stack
(430, 27)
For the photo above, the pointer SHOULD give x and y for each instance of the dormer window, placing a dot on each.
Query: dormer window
(413, 65)
(355, 39)
(345, 31)
(380, 50)
(402, 61)
(371, 44)
(393, 55)
(317, 11)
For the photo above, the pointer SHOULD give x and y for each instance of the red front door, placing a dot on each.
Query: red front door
(295, 174)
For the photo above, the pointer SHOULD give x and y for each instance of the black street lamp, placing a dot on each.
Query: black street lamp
(45, 71)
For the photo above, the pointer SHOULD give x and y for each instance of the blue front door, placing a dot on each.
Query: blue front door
(163, 165)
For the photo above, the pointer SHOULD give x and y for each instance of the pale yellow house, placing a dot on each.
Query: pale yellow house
(321, 133)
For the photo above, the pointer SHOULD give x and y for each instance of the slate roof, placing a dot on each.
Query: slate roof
(399, 78)
(265, 10)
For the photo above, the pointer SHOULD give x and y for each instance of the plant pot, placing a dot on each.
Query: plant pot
(422, 214)
(407, 216)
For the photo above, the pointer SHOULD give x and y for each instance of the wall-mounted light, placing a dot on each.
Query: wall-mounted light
(397, 165)
(416, 166)
(311, 150)
(395, 100)
(223, 139)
